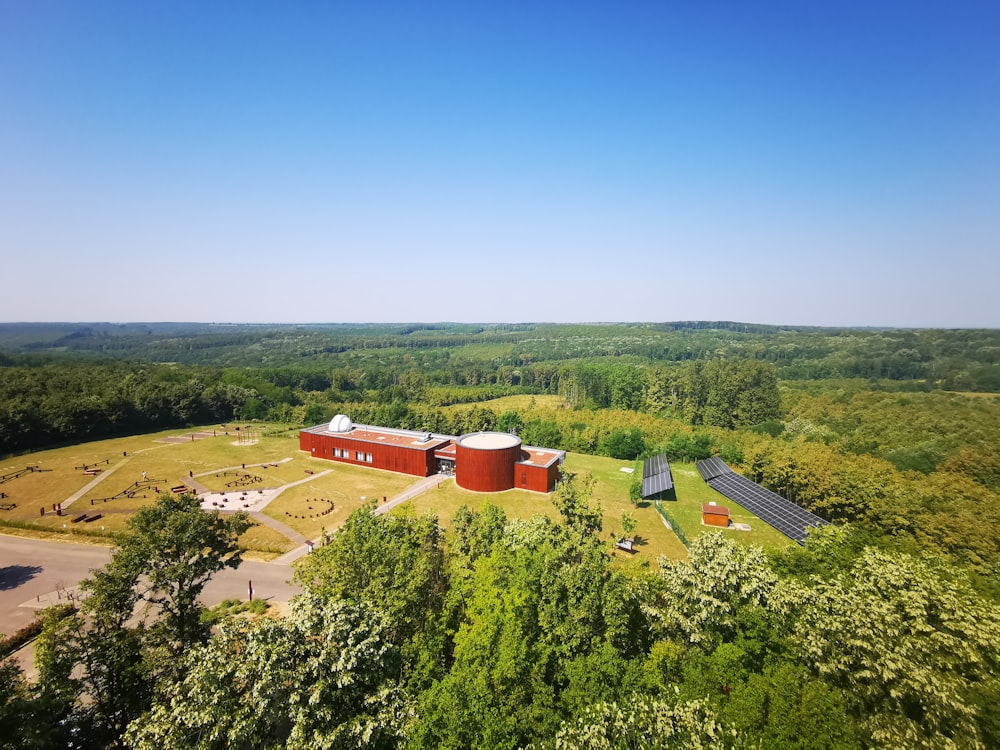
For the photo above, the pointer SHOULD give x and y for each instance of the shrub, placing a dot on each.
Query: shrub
(13, 642)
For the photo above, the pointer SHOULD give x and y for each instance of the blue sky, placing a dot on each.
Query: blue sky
(832, 163)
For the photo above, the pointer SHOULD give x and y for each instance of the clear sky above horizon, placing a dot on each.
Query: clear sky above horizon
(832, 163)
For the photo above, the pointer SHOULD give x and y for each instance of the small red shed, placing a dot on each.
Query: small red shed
(715, 515)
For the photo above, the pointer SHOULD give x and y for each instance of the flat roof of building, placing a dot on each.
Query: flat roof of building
(447, 450)
(385, 436)
(544, 457)
(489, 441)
(443, 444)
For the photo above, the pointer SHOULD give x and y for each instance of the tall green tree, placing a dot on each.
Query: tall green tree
(100, 666)
(98, 669)
(495, 694)
(646, 723)
(787, 708)
(701, 599)
(625, 444)
(395, 564)
(170, 552)
(573, 498)
(30, 719)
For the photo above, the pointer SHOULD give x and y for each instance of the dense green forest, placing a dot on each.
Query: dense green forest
(467, 355)
(881, 632)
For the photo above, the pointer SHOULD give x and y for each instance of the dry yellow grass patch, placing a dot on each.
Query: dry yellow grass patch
(122, 461)
(347, 487)
(264, 542)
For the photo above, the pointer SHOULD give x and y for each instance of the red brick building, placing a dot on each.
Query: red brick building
(480, 461)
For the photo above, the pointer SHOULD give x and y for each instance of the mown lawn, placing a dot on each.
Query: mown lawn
(653, 538)
(445, 500)
(122, 462)
(348, 487)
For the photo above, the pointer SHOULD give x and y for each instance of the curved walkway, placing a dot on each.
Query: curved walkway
(194, 484)
(280, 527)
(417, 488)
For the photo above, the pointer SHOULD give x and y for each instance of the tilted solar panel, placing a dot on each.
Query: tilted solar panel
(712, 467)
(655, 465)
(656, 476)
(656, 484)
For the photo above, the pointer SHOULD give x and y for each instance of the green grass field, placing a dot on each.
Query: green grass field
(482, 352)
(520, 403)
(653, 538)
(347, 487)
(324, 502)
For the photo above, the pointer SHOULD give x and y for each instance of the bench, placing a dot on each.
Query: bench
(91, 519)
(179, 488)
(8, 506)
(81, 517)
(626, 545)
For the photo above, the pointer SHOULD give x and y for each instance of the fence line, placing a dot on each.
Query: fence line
(674, 526)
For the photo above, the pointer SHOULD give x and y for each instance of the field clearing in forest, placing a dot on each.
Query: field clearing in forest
(323, 504)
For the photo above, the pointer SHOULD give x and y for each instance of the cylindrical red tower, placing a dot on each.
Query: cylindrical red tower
(484, 461)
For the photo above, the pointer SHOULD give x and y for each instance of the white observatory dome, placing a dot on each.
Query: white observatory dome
(341, 423)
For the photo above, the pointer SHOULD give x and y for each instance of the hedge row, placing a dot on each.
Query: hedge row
(12, 643)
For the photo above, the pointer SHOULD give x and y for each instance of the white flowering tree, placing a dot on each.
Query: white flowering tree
(909, 644)
(646, 723)
(322, 678)
(701, 597)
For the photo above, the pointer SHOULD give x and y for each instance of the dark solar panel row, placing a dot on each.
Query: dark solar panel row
(787, 517)
(656, 476)
(655, 465)
(657, 484)
(712, 467)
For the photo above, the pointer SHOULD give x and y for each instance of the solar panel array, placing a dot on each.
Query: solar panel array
(656, 476)
(712, 467)
(787, 517)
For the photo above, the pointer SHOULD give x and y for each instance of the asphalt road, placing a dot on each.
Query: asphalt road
(35, 573)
